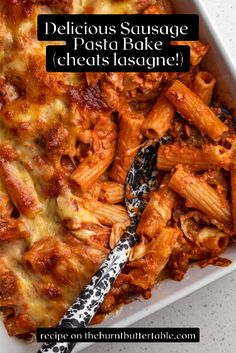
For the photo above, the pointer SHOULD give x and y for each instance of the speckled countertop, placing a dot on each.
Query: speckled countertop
(213, 308)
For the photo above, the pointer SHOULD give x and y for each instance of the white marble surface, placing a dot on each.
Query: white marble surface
(213, 308)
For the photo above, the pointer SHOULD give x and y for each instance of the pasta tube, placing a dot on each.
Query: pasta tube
(79, 211)
(210, 240)
(144, 272)
(203, 85)
(204, 158)
(88, 171)
(200, 195)
(20, 188)
(194, 110)
(105, 213)
(197, 50)
(129, 139)
(159, 119)
(157, 212)
(111, 192)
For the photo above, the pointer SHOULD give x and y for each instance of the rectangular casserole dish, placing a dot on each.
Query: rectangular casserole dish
(168, 291)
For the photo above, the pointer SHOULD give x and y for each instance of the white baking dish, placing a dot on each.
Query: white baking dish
(169, 291)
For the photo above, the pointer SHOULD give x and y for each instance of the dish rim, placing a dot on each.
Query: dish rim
(210, 275)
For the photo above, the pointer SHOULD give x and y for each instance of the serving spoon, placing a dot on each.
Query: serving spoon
(140, 180)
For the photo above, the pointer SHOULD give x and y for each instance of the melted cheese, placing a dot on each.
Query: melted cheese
(45, 224)
(107, 6)
(70, 209)
(62, 258)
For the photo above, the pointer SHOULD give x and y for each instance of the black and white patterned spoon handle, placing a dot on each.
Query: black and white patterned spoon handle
(140, 180)
(86, 305)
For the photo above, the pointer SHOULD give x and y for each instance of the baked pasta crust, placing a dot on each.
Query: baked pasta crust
(66, 144)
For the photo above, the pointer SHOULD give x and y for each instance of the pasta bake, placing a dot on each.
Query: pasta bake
(67, 141)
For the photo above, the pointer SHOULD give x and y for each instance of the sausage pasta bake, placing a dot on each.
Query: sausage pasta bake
(67, 141)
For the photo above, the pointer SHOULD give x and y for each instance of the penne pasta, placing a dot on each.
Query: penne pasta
(111, 192)
(93, 192)
(203, 85)
(20, 188)
(9, 294)
(139, 250)
(209, 239)
(117, 231)
(129, 139)
(72, 211)
(11, 228)
(200, 195)
(163, 244)
(158, 250)
(6, 205)
(204, 158)
(212, 240)
(107, 214)
(77, 211)
(197, 50)
(159, 119)
(193, 109)
(88, 171)
(157, 212)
